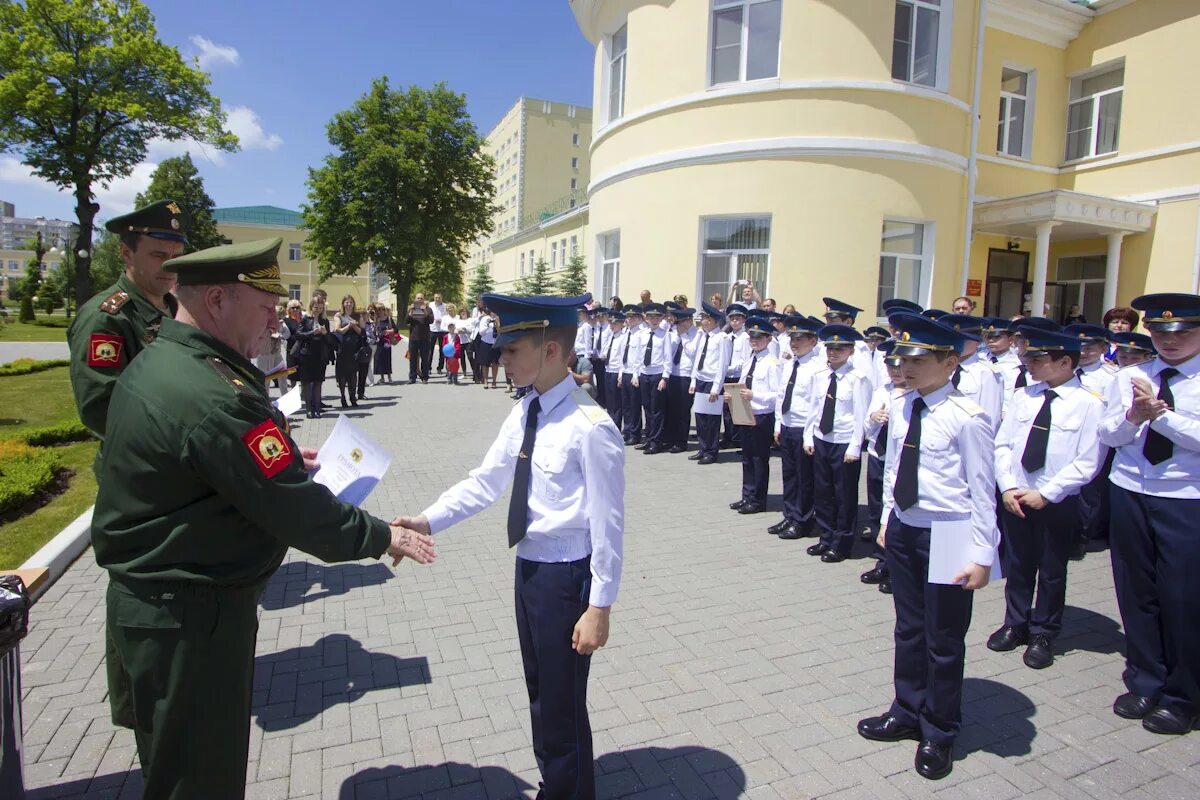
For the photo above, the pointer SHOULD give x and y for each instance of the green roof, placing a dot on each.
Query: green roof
(259, 215)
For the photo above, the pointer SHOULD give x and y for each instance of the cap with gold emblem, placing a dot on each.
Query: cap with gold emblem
(161, 220)
(839, 335)
(252, 263)
(917, 335)
(1169, 311)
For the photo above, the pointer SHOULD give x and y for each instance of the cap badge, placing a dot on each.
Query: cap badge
(174, 224)
(173, 207)
(1167, 315)
(905, 336)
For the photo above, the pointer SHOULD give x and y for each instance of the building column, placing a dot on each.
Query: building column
(1111, 268)
(1041, 260)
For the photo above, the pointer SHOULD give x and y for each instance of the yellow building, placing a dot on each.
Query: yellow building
(1023, 152)
(16, 233)
(541, 153)
(300, 274)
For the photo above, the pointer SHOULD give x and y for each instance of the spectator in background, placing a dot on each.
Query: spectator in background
(789, 309)
(768, 304)
(372, 333)
(963, 305)
(450, 339)
(716, 300)
(1119, 320)
(450, 314)
(295, 316)
(645, 297)
(350, 340)
(385, 328)
(489, 354)
(1075, 316)
(420, 340)
(615, 304)
(438, 328)
(749, 296)
(270, 356)
(312, 343)
(582, 372)
(466, 334)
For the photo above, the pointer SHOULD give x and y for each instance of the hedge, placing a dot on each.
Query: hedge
(61, 433)
(52, 323)
(24, 473)
(27, 366)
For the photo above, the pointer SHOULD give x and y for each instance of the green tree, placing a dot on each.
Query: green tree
(107, 264)
(408, 187)
(30, 285)
(537, 282)
(177, 179)
(56, 289)
(85, 85)
(574, 279)
(481, 284)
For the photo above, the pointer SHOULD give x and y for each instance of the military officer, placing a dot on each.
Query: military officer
(195, 515)
(117, 324)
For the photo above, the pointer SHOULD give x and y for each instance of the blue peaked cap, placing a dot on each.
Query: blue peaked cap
(522, 315)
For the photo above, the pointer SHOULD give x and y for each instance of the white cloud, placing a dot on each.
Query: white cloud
(160, 149)
(213, 54)
(116, 199)
(247, 126)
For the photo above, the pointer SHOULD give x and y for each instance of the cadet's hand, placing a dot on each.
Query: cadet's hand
(879, 415)
(849, 459)
(1012, 503)
(881, 538)
(692, 389)
(310, 459)
(662, 384)
(728, 398)
(746, 394)
(619, 377)
(1031, 498)
(419, 524)
(778, 435)
(591, 631)
(409, 543)
(808, 451)
(712, 398)
(635, 381)
(973, 576)
(1146, 407)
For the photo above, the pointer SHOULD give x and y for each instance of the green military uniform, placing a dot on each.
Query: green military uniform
(117, 324)
(192, 518)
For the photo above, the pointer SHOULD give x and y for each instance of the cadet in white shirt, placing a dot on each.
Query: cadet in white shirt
(1132, 348)
(651, 354)
(631, 398)
(598, 357)
(611, 349)
(838, 400)
(564, 458)
(791, 418)
(760, 385)
(938, 469)
(681, 352)
(1002, 355)
(838, 312)
(975, 379)
(873, 337)
(1153, 421)
(707, 385)
(1047, 450)
(739, 352)
(876, 429)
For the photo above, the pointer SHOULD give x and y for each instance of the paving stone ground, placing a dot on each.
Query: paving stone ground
(737, 667)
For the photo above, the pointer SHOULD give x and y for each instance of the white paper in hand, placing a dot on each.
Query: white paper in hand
(351, 463)
(950, 550)
(290, 403)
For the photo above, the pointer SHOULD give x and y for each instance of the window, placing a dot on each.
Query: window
(293, 291)
(294, 251)
(554, 255)
(522, 263)
(14, 266)
(574, 246)
(919, 40)
(616, 74)
(735, 248)
(574, 162)
(575, 139)
(1082, 282)
(1016, 100)
(904, 263)
(574, 184)
(1094, 114)
(745, 40)
(610, 264)
(531, 261)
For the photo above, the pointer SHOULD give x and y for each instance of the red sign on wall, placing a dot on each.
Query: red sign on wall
(974, 288)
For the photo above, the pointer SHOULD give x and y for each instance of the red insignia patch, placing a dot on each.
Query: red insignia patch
(269, 447)
(104, 350)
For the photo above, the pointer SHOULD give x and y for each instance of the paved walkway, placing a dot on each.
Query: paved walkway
(11, 351)
(738, 665)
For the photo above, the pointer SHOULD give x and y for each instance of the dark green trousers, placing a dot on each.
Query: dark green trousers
(180, 667)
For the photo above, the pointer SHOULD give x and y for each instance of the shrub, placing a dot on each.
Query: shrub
(57, 434)
(24, 472)
(27, 366)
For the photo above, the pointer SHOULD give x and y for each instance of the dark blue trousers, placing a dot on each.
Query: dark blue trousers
(612, 400)
(797, 476)
(1094, 511)
(1036, 556)
(835, 484)
(550, 598)
(733, 433)
(875, 502)
(654, 406)
(679, 411)
(1156, 558)
(931, 627)
(601, 374)
(756, 458)
(631, 403)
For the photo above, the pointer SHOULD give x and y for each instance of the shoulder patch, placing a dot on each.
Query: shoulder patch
(231, 377)
(269, 448)
(966, 404)
(594, 413)
(104, 350)
(112, 304)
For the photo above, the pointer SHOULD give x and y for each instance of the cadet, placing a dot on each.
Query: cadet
(650, 379)
(975, 379)
(876, 429)
(791, 417)
(1046, 451)
(195, 515)
(631, 400)
(1132, 348)
(707, 384)
(1097, 376)
(1022, 373)
(1094, 372)
(938, 469)
(683, 352)
(117, 324)
(739, 353)
(1002, 356)
(1153, 421)
(613, 343)
(760, 385)
(564, 458)
(875, 336)
(841, 313)
(839, 396)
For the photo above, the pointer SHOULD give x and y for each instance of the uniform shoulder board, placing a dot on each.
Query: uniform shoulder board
(1109, 368)
(594, 413)
(1094, 393)
(230, 376)
(966, 403)
(770, 361)
(112, 304)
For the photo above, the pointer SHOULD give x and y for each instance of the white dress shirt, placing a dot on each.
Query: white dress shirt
(1097, 376)
(979, 382)
(715, 356)
(629, 358)
(607, 349)
(799, 369)
(687, 355)
(1179, 475)
(849, 408)
(863, 361)
(658, 343)
(583, 339)
(765, 387)
(881, 400)
(1074, 454)
(956, 478)
(739, 353)
(576, 488)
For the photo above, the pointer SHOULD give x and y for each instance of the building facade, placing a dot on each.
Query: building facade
(17, 233)
(1026, 153)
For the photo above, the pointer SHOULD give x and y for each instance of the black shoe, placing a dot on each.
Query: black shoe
(1169, 721)
(778, 527)
(653, 448)
(934, 761)
(737, 506)
(1039, 654)
(628, 439)
(309, 415)
(751, 508)
(867, 534)
(354, 402)
(362, 395)
(1132, 706)
(885, 587)
(874, 576)
(1078, 551)
(641, 445)
(794, 530)
(704, 461)
(818, 549)
(832, 556)
(886, 728)
(677, 448)
(694, 457)
(1007, 638)
(343, 402)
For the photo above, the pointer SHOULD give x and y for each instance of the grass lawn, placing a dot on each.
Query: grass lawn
(35, 401)
(13, 331)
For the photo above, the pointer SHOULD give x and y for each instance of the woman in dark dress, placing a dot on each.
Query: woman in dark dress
(291, 321)
(350, 339)
(311, 342)
(385, 329)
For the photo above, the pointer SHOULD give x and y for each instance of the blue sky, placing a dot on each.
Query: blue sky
(282, 68)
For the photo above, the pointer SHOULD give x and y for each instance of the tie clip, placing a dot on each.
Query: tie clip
(522, 455)
(1040, 428)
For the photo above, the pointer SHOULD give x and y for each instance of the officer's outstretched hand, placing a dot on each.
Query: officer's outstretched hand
(408, 543)
(591, 631)
(419, 524)
(310, 459)
(973, 576)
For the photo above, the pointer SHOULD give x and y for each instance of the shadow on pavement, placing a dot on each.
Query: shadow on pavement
(101, 787)
(292, 584)
(1084, 629)
(997, 719)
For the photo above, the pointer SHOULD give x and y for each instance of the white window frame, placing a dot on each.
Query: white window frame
(605, 263)
(928, 243)
(295, 251)
(574, 246)
(764, 290)
(1112, 66)
(1030, 99)
(522, 262)
(744, 52)
(293, 291)
(610, 60)
(945, 31)
(554, 255)
(575, 140)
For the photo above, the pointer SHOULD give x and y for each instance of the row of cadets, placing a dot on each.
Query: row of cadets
(759, 383)
(1047, 451)
(839, 395)
(1152, 419)
(876, 429)
(975, 378)
(791, 418)
(651, 355)
(707, 383)
(1097, 376)
(682, 346)
(611, 350)
(631, 400)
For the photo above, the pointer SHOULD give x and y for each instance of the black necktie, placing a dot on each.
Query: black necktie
(881, 441)
(628, 341)
(1022, 377)
(1158, 448)
(750, 373)
(518, 506)
(787, 396)
(957, 376)
(1034, 457)
(678, 351)
(904, 491)
(649, 346)
(608, 355)
(830, 403)
(704, 352)
(994, 360)
(1079, 373)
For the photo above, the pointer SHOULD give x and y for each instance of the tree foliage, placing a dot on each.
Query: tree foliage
(574, 279)
(107, 264)
(408, 187)
(536, 282)
(481, 284)
(177, 179)
(85, 86)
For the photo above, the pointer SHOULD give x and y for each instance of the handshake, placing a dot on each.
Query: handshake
(411, 538)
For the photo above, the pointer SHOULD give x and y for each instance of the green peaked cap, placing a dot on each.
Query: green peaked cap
(161, 220)
(252, 263)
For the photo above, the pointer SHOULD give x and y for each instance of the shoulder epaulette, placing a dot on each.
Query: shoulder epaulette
(112, 304)
(1109, 368)
(594, 413)
(966, 403)
(230, 376)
